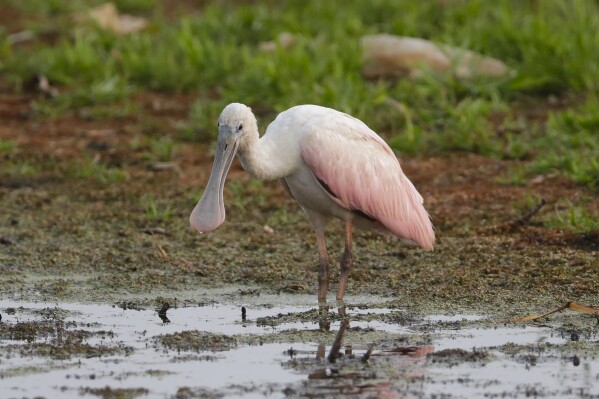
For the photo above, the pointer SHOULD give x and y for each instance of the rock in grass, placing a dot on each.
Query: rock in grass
(389, 56)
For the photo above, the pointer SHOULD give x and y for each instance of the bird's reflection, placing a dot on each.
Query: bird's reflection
(334, 364)
(324, 318)
(320, 352)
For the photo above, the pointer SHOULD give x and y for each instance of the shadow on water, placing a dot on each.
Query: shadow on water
(256, 350)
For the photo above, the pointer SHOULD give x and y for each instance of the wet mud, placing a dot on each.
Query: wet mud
(287, 347)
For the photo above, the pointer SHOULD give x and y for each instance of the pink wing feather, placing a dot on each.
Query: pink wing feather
(364, 174)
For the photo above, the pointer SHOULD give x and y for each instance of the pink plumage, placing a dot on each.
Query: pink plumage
(332, 164)
(364, 174)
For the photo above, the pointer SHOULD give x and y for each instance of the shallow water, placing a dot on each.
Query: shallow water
(403, 361)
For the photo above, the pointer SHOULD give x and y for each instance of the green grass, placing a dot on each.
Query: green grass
(513, 176)
(214, 52)
(571, 144)
(20, 168)
(565, 214)
(550, 44)
(99, 93)
(112, 111)
(7, 146)
(202, 117)
(53, 8)
(245, 195)
(89, 168)
(162, 148)
(153, 213)
(154, 149)
(575, 218)
(527, 203)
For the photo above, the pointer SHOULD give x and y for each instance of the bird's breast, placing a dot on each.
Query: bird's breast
(310, 194)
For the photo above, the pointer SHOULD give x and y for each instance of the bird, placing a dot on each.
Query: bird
(333, 165)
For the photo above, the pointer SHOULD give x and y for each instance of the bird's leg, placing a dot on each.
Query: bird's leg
(323, 266)
(324, 320)
(347, 261)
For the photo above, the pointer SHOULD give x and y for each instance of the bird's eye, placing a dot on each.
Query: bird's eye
(240, 127)
(218, 124)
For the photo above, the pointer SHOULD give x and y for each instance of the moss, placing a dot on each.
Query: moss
(452, 357)
(196, 341)
(115, 393)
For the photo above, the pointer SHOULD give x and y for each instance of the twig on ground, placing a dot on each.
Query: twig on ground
(293, 287)
(522, 220)
(182, 263)
(161, 250)
(367, 354)
(569, 305)
(154, 230)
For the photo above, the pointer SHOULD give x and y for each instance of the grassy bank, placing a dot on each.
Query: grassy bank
(544, 119)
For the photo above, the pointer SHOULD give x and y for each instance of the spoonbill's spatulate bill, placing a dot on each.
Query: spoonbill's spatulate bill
(332, 164)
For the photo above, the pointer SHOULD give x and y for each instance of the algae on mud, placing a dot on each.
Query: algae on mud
(97, 251)
(197, 341)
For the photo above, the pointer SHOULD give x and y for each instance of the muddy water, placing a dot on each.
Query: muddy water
(279, 350)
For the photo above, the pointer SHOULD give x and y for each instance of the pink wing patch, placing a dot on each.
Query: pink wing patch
(364, 174)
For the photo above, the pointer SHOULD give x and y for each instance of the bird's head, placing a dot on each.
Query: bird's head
(236, 121)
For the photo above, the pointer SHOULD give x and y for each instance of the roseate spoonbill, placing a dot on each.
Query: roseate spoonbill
(332, 164)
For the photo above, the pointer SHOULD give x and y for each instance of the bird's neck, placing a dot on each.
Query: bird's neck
(264, 158)
(254, 156)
